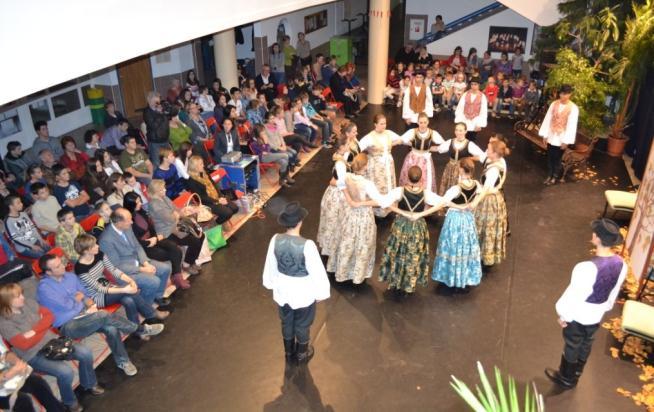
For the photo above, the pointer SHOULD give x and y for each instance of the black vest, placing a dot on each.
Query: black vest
(412, 202)
(463, 153)
(289, 252)
(466, 196)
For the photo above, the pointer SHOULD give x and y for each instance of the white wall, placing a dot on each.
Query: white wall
(244, 51)
(477, 35)
(180, 59)
(450, 10)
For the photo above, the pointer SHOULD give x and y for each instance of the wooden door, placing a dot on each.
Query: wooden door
(135, 80)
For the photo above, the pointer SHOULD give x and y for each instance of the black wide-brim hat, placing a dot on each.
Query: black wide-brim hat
(608, 231)
(292, 214)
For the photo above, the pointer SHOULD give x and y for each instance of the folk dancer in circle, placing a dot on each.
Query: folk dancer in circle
(559, 129)
(380, 166)
(417, 99)
(350, 131)
(423, 142)
(458, 148)
(472, 110)
(354, 257)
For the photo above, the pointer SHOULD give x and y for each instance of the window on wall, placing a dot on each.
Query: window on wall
(9, 123)
(65, 103)
(39, 110)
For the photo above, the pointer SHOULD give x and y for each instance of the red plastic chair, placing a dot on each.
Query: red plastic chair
(331, 101)
(57, 251)
(181, 200)
(50, 239)
(208, 146)
(89, 222)
(265, 166)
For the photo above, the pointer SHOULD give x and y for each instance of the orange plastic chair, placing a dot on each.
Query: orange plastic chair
(265, 166)
(181, 200)
(88, 223)
(50, 239)
(329, 97)
(57, 251)
(208, 146)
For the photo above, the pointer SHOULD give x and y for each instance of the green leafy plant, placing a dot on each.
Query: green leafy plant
(501, 398)
(589, 91)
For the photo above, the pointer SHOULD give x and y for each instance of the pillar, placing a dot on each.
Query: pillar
(379, 22)
(224, 54)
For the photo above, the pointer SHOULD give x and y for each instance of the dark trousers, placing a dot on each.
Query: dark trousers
(578, 340)
(296, 141)
(350, 106)
(166, 250)
(554, 156)
(194, 246)
(471, 135)
(37, 387)
(296, 323)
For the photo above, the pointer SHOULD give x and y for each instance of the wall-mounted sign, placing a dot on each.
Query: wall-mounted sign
(315, 21)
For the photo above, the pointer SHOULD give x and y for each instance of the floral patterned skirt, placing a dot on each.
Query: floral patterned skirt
(450, 177)
(458, 261)
(332, 207)
(354, 257)
(381, 171)
(491, 222)
(405, 263)
(424, 162)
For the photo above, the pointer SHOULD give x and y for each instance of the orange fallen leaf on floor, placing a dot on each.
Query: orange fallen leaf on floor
(623, 392)
(615, 352)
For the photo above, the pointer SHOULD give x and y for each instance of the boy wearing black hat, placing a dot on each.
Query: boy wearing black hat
(592, 291)
(295, 273)
(559, 129)
(472, 110)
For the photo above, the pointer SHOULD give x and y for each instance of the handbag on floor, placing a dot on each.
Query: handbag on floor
(188, 226)
(60, 348)
(194, 207)
(215, 238)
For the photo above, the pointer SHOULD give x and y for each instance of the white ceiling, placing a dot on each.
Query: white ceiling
(541, 12)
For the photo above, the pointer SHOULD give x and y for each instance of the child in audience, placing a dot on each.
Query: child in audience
(253, 114)
(518, 90)
(301, 123)
(67, 232)
(323, 123)
(237, 102)
(531, 98)
(116, 187)
(21, 230)
(448, 85)
(409, 70)
(72, 158)
(392, 88)
(516, 62)
(486, 67)
(70, 194)
(458, 88)
(45, 208)
(104, 212)
(504, 97)
(262, 149)
(491, 91)
(91, 142)
(404, 85)
(437, 92)
(34, 175)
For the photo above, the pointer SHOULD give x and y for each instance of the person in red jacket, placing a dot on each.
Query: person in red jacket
(27, 328)
(74, 159)
(456, 60)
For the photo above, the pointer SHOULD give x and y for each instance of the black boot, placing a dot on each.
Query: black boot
(283, 180)
(289, 349)
(565, 376)
(304, 352)
(579, 370)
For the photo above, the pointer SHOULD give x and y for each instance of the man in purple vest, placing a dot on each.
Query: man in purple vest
(592, 291)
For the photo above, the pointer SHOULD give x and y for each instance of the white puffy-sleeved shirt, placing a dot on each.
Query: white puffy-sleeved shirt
(381, 142)
(395, 195)
(410, 115)
(572, 305)
(569, 135)
(297, 292)
(493, 174)
(473, 149)
(341, 171)
(454, 192)
(409, 135)
(478, 121)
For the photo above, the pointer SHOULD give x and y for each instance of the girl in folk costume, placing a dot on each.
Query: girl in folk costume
(457, 263)
(354, 257)
(421, 140)
(405, 263)
(333, 202)
(490, 208)
(472, 110)
(417, 99)
(380, 166)
(457, 148)
(349, 131)
(559, 129)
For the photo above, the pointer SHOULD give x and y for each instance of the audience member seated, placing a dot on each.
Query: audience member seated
(201, 184)
(217, 90)
(200, 133)
(17, 397)
(48, 164)
(34, 175)
(116, 187)
(249, 91)
(111, 115)
(156, 245)
(237, 102)
(277, 68)
(277, 143)
(253, 114)
(67, 232)
(108, 163)
(276, 123)
(192, 83)
(27, 328)
(73, 158)
(91, 268)
(179, 132)
(104, 214)
(133, 185)
(45, 208)
(328, 70)
(17, 162)
(456, 60)
(438, 26)
(339, 87)
(301, 122)
(136, 161)
(503, 65)
(165, 216)
(173, 91)
(266, 83)
(406, 54)
(458, 88)
(156, 124)
(22, 232)
(184, 153)
(122, 248)
(316, 67)
(44, 141)
(219, 110)
(95, 180)
(491, 91)
(91, 142)
(168, 173)
(317, 119)
(5, 192)
(70, 194)
(75, 313)
(112, 137)
(424, 59)
(261, 148)
(227, 140)
(504, 98)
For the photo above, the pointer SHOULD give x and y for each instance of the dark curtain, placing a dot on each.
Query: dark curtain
(641, 132)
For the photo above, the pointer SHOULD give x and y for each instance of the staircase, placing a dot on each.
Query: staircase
(465, 21)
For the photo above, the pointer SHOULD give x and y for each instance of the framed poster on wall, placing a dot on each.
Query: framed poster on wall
(417, 29)
(506, 39)
(315, 21)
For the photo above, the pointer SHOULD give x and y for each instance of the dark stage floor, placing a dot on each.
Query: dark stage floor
(222, 349)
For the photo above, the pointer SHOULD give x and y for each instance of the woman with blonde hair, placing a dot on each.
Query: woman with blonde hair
(423, 142)
(354, 256)
(201, 184)
(490, 208)
(26, 326)
(349, 131)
